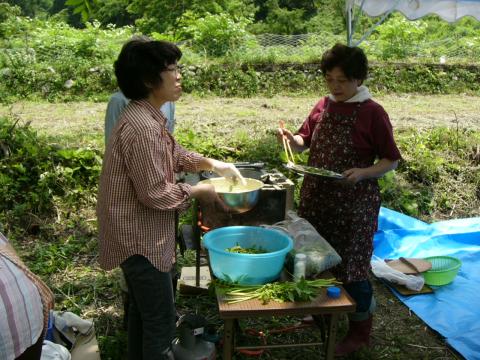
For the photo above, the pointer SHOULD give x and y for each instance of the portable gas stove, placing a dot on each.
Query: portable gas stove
(275, 199)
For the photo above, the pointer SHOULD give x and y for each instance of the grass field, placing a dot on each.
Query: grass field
(85, 289)
(81, 123)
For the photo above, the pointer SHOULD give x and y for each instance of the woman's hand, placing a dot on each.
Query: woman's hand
(228, 171)
(296, 141)
(352, 176)
(377, 170)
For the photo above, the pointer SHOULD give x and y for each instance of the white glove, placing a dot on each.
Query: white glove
(228, 171)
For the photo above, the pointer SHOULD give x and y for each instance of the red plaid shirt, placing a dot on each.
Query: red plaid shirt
(138, 196)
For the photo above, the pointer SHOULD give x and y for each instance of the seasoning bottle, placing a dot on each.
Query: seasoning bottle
(299, 266)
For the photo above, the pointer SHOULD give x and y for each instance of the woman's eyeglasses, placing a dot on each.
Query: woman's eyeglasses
(174, 68)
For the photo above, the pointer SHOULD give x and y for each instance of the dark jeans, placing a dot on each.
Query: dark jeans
(34, 352)
(361, 292)
(151, 314)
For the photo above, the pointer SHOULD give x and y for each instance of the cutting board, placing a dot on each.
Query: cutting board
(407, 292)
(408, 266)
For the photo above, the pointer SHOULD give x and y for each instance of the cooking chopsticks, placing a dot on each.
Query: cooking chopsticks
(286, 145)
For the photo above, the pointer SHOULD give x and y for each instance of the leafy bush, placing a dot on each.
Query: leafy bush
(250, 80)
(36, 177)
(270, 79)
(217, 34)
(398, 38)
(424, 78)
(52, 60)
(436, 175)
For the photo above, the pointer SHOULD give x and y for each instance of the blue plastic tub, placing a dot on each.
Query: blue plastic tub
(247, 268)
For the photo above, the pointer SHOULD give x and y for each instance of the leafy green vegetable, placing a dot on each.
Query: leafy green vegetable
(302, 290)
(251, 250)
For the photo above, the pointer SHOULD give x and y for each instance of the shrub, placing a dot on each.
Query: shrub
(217, 34)
(35, 176)
(51, 60)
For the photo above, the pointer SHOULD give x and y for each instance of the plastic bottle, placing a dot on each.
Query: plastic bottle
(299, 266)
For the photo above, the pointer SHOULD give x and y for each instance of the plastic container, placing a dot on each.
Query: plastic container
(247, 268)
(299, 266)
(333, 292)
(444, 270)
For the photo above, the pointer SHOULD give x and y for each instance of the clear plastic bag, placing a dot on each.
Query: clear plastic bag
(382, 270)
(52, 351)
(320, 254)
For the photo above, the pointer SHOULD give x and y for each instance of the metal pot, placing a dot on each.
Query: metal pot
(238, 198)
(246, 173)
(248, 170)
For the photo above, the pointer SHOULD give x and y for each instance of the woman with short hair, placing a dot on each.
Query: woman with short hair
(349, 133)
(138, 197)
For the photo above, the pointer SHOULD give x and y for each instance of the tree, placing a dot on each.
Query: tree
(114, 12)
(280, 20)
(32, 8)
(83, 7)
(163, 15)
(60, 10)
(216, 34)
(299, 16)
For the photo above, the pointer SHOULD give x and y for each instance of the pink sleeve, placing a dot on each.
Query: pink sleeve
(306, 130)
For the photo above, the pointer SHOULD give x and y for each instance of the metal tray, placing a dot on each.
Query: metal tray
(311, 170)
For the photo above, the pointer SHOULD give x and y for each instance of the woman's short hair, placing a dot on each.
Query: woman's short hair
(140, 63)
(352, 61)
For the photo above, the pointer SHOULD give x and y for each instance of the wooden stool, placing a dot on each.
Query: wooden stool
(321, 305)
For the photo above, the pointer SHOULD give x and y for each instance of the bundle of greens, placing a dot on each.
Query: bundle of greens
(302, 290)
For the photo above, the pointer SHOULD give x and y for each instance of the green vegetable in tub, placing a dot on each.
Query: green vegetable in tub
(302, 290)
(251, 250)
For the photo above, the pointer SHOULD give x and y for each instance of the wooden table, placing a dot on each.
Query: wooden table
(321, 305)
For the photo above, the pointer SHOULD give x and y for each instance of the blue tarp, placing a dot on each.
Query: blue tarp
(452, 310)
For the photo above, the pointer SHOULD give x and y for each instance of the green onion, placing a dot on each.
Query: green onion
(302, 290)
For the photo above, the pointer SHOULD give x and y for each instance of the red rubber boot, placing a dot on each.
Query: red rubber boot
(358, 336)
